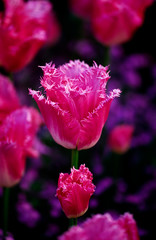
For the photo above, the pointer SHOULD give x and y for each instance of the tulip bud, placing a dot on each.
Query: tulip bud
(120, 137)
(74, 191)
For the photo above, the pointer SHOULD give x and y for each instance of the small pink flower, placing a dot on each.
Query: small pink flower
(81, 8)
(120, 137)
(77, 106)
(24, 28)
(8, 98)
(74, 191)
(104, 227)
(115, 22)
(17, 133)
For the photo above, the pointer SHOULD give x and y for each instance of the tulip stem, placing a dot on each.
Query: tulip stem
(73, 222)
(75, 158)
(11, 77)
(6, 191)
(74, 163)
(106, 60)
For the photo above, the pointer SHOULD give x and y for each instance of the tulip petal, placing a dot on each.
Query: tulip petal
(12, 164)
(91, 127)
(60, 123)
(21, 126)
(76, 203)
(104, 227)
(8, 97)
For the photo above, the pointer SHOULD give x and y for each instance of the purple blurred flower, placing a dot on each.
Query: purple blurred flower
(85, 49)
(143, 194)
(28, 179)
(98, 166)
(103, 185)
(48, 191)
(52, 230)
(26, 213)
(9, 237)
(56, 209)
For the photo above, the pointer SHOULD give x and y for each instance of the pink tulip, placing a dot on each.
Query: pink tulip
(120, 137)
(8, 98)
(17, 133)
(104, 227)
(81, 8)
(21, 127)
(9, 104)
(74, 191)
(115, 21)
(77, 106)
(24, 28)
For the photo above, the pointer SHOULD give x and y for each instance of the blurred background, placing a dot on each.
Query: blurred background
(125, 181)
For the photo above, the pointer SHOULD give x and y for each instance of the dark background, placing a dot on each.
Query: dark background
(125, 183)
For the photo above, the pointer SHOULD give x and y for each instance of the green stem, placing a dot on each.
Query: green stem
(75, 158)
(106, 60)
(5, 210)
(11, 77)
(73, 222)
(74, 163)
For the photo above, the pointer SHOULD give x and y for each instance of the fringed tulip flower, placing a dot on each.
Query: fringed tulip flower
(81, 8)
(77, 106)
(74, 191)
(120, 137)
(104, 227)
(115, 22)
(17, 133)
(8, 98)
(24, 28)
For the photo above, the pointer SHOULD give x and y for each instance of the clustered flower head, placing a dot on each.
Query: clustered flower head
(74, 191)
(104, 227)
(76, 105)
(24, 28)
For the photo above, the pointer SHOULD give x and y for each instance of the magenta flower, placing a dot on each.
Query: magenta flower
(17, 133)
(8, 98)
(115, 22)
(24, 28)
(18, 128)
(119, 139)
(77, 106)
(74, 191)
(9, 104)
(104, 227)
